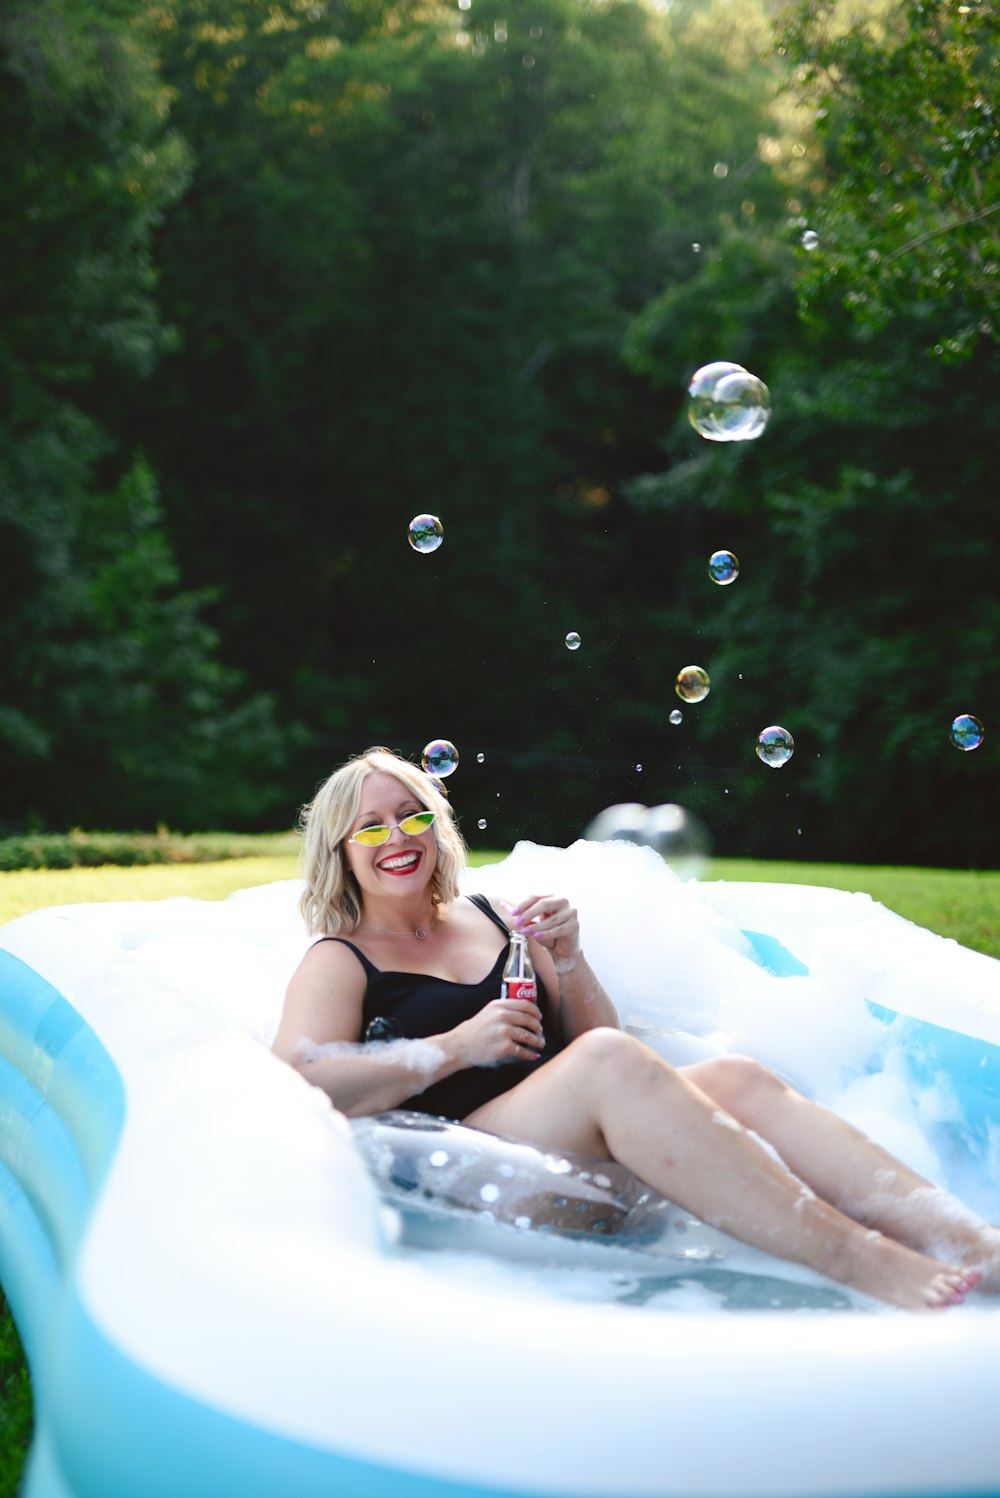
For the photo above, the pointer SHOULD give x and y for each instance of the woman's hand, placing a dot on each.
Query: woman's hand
(552, 921)
(504, 1030)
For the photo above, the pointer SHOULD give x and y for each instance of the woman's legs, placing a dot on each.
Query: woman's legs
(608, 1095)
(846, 1168)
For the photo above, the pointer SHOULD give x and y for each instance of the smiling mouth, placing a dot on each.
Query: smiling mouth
(400, 863)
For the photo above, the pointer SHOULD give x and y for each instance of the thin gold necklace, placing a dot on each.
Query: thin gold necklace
(421, 932)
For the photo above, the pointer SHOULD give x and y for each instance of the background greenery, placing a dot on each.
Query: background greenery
(280, 274)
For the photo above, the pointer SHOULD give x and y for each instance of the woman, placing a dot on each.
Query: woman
(401, 954)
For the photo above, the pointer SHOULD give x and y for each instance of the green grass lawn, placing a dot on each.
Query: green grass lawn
(960, 903)
(963, 905)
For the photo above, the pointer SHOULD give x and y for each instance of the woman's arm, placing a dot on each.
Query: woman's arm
(320, 1030)
(554, 928)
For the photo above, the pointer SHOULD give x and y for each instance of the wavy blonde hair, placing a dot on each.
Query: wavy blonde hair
(331, 901)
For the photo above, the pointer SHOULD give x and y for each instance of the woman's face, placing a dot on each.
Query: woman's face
(402, 866)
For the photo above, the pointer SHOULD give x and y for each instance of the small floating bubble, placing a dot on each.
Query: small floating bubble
(692, 684)
(723, 568)
(481, 823)
(810, 239)
(775, 746)
(676, 716)
(967, 732)
(639, 768)
(490, 1192)
(573, 641)
(425, 533)
(480, 758)
(439, 757)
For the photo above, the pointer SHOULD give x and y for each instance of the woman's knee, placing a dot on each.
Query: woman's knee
(613, 1053)
(739, 1084)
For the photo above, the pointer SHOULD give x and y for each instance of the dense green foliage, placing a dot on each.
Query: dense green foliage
(291, 273)
(112, 701)
(907, 105)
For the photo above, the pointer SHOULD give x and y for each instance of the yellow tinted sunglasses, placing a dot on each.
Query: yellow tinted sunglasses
(413, 825)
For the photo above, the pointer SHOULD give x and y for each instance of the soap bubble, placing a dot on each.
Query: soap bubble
(967, 732)
(726, 403)
(481, 823)
(623, 823)
(679, 838)
(676, 716)
(480, 758)
(692, 684)
(675, 834)
(701, 390)
(439, 757)
(723, 567)
(775, 746)
(810, 239)
(425, 533)
(573, 640)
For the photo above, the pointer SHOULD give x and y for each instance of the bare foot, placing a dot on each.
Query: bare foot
(902, 1277)
(984, 1259)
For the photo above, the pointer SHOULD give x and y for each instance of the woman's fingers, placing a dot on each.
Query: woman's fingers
(551, 920)
(520, 1025)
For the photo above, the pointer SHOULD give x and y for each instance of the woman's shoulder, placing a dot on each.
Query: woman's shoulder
(334, 955)
(337, 951)
(496, 910)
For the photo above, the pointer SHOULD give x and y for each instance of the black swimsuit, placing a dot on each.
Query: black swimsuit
(416, 1005)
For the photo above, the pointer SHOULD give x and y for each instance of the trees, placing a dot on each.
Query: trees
(864, 516)
(464, 260)
(907, 105)
(112, 703)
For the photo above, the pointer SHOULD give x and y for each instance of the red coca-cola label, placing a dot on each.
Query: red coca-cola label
(520, 988)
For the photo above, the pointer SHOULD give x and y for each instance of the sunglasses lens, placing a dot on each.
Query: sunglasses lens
(372, 837)
(419, 822)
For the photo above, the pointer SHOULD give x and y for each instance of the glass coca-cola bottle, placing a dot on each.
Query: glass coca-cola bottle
(518, 981)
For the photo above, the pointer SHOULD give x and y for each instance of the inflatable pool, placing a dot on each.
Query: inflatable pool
(219, 1293)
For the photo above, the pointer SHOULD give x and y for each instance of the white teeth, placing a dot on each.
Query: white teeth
(402, 861)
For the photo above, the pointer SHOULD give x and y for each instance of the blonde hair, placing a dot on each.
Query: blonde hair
(331, 900)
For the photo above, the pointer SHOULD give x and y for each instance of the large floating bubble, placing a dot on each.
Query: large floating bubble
(439, 757)
(726, 403)
(692, 684)
(723, 567)
(425, 533)
(677, 835)
(967, 732)
(573, 641)
(775, 746)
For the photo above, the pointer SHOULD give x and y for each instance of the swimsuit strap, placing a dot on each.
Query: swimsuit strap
(371, 971)
(481, 903)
